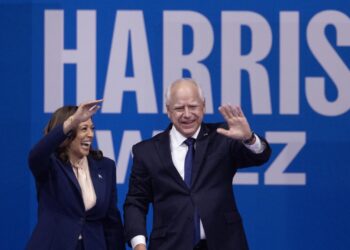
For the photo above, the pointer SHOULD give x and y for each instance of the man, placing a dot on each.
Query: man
(190, 187)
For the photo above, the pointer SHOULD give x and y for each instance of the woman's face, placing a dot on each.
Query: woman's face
(81, 144)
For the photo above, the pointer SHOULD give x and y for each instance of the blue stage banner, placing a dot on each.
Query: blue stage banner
(285, 63)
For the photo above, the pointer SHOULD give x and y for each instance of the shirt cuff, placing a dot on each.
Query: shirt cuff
(257, 147)
(138, 239)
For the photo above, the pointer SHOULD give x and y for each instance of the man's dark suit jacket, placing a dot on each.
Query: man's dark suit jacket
(154, 179)
(61, 212)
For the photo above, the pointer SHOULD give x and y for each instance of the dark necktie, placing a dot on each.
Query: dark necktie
(188, 175)
(188, 160)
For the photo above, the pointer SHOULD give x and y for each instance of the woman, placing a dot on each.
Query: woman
(76, 187)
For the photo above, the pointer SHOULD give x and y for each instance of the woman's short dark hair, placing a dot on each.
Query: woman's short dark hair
(58, 118)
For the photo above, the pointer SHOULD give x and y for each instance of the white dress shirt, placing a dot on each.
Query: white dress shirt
(178, 153)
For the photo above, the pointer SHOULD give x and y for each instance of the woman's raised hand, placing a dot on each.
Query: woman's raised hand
(86, 110)
(83, 113)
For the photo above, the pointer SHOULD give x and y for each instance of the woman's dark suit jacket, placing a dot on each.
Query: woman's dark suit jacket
(61, 213)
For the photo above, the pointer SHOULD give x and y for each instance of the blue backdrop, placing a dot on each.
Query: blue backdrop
(286, 63)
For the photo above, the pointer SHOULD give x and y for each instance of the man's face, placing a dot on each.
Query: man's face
(185, 108)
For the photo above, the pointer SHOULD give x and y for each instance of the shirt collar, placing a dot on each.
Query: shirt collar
(176, 138)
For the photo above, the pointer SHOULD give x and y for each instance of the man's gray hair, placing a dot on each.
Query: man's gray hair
(168, 90)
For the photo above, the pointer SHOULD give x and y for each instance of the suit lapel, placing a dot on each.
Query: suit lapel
(68, 169)
(163, 148)
(200, 151)
(98, 179)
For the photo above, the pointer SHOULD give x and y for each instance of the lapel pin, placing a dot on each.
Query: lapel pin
(100, 176)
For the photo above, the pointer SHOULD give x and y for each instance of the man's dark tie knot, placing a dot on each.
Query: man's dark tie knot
(190, 142)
